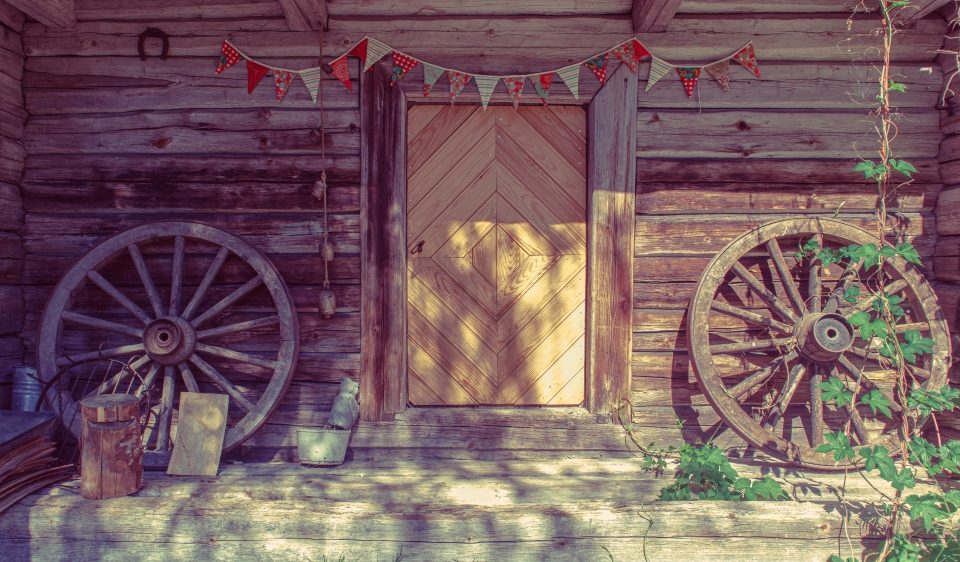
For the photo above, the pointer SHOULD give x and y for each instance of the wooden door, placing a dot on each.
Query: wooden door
(496, 269)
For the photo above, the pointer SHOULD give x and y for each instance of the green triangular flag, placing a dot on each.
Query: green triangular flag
(486, 85)
(571, 77)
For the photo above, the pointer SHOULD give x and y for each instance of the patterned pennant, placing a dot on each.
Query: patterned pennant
(627, 55)
(571, 77)
(658, 69)
(720, 71)
(341, 70)
(282, 79)
(598, 65)
(458, 80)
(359, 50)
(542, 85)
(514, 88)
(688, 76)
(255, 72)
(748, 58)
(402, 64)
(430, 75)
(311, 79)
(485, 85)
(374, 51)
(228, 57)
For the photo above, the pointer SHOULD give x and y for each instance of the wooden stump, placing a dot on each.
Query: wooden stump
(111, 461)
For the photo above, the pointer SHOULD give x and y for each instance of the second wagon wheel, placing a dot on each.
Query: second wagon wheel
(168, 307)
(768, 323)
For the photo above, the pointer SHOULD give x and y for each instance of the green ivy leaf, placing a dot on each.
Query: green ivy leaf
(902, 550)
(837, 443)
(909, 253)
(902, 166)
(871, 170)
(922, 452)
(768, 489)
(903, 479)
(877, 402)
(875, 327)
(860, 319)
(835, 391)
(914, 345)
(927, 508)
(878, 458)
(852, 294)
(896, 87)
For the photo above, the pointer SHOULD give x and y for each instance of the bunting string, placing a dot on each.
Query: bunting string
(370, 51)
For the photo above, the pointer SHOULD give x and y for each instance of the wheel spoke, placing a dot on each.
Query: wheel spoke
(785, 277)
(783, 401)
(766, 296)
(107, 287)
(862, 380)
(146, 279)
(213, 374)
(918, 326)
(816, 407)
(208, 278)
(176, 274)
(188, 379)
(226, 301)
(68, 360)
(857, 422)
(746, 386)
(92, 322)
(166, 408)
(753, 345)
(751, 317)
(148, 380)
(124, 372)
(239, 327)
(237, 356)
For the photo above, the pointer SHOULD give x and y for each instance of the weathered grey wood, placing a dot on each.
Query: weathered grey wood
(58, 14)
(305, 15)
(200, 430)
(653, 15)
(382, 247)
(920, 9)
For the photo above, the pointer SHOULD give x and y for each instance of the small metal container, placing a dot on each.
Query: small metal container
(26, 389)
(322, 447)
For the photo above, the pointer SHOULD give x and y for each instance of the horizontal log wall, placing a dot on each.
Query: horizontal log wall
(114, 141)
(12, 155)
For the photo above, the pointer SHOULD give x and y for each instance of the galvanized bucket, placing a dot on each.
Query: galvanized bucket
(26, 389)
(322, 447)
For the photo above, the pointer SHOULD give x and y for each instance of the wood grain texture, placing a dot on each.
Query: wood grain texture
(382, 252)
(57, 14)
(611, 179)
(496, 263)
(200, 430)
(653, 16)
(305, 15)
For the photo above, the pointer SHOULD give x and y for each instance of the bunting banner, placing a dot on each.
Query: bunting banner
(255, 73)
(720, 71)
(431, 73)
(542, 86)
(658, 69)
(688, 77)
(458, 81)
(514, 86)
(311, 79)
(341, 71)
(571, 78)
(485, 85)
(282, 79)
(370, 51)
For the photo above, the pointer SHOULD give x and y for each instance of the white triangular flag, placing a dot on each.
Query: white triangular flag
(571, 77)
(658, 69)
(486, 85)
(311, 79)
(375, 51)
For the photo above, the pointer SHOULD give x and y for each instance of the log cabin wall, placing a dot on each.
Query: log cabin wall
(113, 142)
(12, 155)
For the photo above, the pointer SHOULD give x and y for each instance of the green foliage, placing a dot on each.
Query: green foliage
(836, 558)
(871, 170)
(878, 458)
(902, 550)
(926, 401)
(914, 344)
(705, 473)
(834, 391)
(877, 402)
(838, 444)
(852, 294)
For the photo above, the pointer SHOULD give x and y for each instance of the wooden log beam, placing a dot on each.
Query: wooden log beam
(651, 16)
(58, 14)
(305, 15)
(919, 9)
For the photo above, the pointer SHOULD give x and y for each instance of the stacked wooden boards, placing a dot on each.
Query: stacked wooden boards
(13, 114)
(115, 142)
(27, 463)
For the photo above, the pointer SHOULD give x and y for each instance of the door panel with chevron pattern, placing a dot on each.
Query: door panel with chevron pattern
(496, 276)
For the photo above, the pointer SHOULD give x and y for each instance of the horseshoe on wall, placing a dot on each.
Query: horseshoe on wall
(159, 34)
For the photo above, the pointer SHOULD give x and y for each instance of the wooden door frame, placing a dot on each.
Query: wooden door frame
(611, 176)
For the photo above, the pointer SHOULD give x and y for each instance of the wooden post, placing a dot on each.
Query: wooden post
(111, 460)
(611, 208)
(383, 258)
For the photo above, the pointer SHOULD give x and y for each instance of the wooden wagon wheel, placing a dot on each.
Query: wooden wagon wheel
(165, 307)
(768, 324)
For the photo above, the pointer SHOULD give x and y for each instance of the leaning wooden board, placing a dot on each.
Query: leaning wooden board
(200, 431)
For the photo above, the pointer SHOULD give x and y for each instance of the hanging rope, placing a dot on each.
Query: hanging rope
(327, 300)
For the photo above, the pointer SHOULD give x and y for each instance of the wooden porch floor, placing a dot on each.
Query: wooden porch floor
(436, 509)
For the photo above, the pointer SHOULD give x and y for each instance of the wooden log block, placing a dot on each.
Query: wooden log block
(200, 431)
(111, 463)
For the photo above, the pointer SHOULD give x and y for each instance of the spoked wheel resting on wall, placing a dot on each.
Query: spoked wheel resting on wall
(769, 323)
(164, 308)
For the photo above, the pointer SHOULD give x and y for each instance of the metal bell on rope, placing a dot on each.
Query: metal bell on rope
(328, 302)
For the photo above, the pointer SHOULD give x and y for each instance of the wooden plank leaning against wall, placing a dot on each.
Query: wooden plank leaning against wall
(116, 142)
(12, 155)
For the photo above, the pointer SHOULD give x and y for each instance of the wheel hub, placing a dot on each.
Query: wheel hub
(823, 337)
(169, 340)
